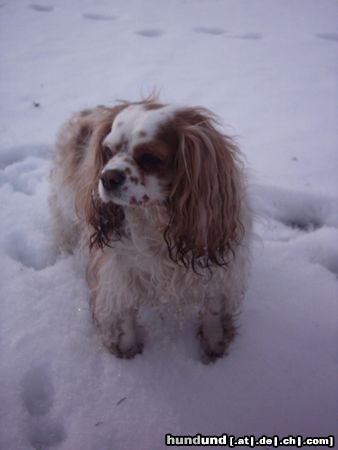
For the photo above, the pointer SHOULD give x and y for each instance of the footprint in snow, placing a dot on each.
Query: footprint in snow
(248, 36)
(298, 211)
(151, 32)
(209, 30)
(41, 8)
(12, 155)
(37, 394)
(38, 391)
(44, 434)
(328, 36)
(305, 224)
(98, 17)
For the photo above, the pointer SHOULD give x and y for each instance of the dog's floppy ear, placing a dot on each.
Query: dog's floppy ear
(105, 220)
(205, 199)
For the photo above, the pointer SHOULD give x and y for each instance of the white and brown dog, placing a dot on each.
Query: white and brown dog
(156, 193)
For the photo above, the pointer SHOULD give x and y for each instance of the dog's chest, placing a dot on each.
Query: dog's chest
(156, 279)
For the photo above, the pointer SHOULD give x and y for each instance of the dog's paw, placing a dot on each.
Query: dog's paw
(126, 352)
(215, 345)
(123, 336)
(212, 350)
(122, 344)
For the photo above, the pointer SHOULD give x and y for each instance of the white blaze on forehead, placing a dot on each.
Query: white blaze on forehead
(137, 124)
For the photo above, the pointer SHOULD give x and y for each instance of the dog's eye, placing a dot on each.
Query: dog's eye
(106, 153)
(149, 162)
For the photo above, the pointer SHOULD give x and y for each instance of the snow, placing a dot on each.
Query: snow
(268, 69)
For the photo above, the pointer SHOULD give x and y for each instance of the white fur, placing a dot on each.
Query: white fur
(135, 120)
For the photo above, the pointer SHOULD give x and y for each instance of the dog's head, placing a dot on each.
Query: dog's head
(175, 157)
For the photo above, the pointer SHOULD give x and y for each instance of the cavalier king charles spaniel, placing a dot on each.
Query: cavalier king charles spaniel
(156, 195)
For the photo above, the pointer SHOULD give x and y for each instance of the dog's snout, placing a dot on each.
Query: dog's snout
(112, 179)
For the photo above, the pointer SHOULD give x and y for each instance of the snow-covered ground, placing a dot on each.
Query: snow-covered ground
(269, 69)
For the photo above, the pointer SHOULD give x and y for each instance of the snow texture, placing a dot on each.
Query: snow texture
(269, 69)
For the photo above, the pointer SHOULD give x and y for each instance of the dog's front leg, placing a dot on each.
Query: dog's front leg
(125, 339)
(120, 332)
(217, 329)
(113, 300)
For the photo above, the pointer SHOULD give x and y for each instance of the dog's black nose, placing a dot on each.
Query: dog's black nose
(111, 179)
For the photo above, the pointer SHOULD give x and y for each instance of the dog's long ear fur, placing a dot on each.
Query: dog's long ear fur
(105, 220)
(205, 199)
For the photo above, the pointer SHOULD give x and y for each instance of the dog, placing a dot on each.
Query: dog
(155, 194)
